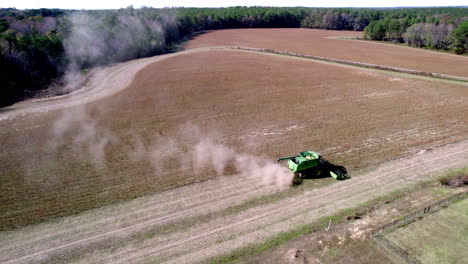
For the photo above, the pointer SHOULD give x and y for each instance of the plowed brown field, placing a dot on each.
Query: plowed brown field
(55, 163)
(324, 43)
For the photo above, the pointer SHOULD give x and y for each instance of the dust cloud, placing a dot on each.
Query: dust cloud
(208, 153)
(77, 130)
(189, 148)
(96, 38)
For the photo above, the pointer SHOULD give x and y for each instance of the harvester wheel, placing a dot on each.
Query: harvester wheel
(297, 178)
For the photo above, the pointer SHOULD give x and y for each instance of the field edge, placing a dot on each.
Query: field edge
(254, 249)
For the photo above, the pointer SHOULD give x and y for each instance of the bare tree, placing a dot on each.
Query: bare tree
(414, 35)
(428, 35)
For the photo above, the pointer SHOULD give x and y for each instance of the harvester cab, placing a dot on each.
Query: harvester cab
(309, 164)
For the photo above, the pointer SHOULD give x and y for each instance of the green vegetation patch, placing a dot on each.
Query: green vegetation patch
(438, 238)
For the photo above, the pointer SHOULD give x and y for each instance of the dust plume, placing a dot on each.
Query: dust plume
(77, 130)
(188, 150)
(99, 38)
(208, 154)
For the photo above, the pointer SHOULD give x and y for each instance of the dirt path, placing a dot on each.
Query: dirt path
(104, 82)
(116, 233)
(108, 81)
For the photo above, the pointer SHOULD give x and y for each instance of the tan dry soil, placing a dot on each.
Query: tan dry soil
(116, 233)
(53, 241)
(331, 44)
(107, 81)
(255, 103)
(103, 82)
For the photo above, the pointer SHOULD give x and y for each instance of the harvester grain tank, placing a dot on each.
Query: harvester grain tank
(309, 164)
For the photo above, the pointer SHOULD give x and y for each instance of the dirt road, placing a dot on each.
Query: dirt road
(175, 227)
(107, 81)
(103, 82)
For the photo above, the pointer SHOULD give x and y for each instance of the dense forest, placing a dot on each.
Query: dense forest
(45, 46)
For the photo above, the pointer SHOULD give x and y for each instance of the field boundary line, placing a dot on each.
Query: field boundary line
(432, 208)
(87, 95)
(358, 64)
(400, 45)
(395, 249)
(379, 233)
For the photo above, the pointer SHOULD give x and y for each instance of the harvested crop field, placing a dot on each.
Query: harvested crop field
(181, 116)
(200, 221)
(326, 43)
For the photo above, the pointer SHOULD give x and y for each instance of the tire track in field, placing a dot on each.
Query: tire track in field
(268, 230)
(147, 210)
(72, 228)
(177, 198)
(361, 190)
(201, 240)
(249, 221)
(63, 238)
(202, 230)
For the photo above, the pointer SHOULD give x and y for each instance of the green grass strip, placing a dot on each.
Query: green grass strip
(340, 217)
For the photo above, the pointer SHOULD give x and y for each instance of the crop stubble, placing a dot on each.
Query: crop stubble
(326, 43)
(117, 223)
(253, 103)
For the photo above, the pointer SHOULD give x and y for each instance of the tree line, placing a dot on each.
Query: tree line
(38, 47)
(436, 33)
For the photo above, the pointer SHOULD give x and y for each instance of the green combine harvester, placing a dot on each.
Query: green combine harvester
(309, 164)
